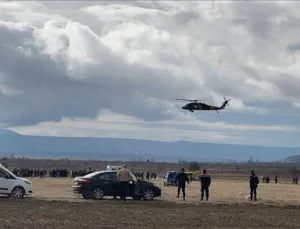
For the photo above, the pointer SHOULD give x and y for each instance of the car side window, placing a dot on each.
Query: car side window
(112, 176)
(4, 174)
(103, 176)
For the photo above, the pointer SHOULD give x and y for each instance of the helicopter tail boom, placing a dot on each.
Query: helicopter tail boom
(224, 104)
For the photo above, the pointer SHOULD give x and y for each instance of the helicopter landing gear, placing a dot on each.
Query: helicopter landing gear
(191, 111)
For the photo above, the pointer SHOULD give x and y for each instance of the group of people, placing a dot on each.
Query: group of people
(205, 181)
(266, 179)
(70, 173)
(57, 172)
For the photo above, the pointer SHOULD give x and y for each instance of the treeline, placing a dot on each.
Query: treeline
(235, 168)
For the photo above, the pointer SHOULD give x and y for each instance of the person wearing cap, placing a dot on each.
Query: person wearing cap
(181, 178)
(254, 181)
(205, 181)
(124, 175)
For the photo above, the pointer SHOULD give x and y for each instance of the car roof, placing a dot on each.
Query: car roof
(99, 172)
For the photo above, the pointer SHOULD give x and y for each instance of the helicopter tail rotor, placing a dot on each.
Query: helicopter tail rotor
(225, 103)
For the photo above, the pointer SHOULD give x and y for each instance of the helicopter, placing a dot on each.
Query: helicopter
(195, 105)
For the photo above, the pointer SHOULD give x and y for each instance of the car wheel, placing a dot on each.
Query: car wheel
(148, 194)
(98, 194)
(18, 192)
(86, 196)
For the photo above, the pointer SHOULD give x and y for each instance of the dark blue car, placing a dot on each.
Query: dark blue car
(169, 179)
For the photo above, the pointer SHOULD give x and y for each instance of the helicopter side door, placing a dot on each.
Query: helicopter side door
(196, 106)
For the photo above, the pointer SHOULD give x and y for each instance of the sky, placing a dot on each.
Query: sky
(114, 69)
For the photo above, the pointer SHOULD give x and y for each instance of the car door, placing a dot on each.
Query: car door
(137, 188)
(108, 183)
(6, 182)
(114, 184)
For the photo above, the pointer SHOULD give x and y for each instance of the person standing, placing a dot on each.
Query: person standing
(124, 175)
(205, 181)
(254, 181)
(181, 178)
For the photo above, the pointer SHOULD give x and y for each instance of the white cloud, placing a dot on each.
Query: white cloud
(296, 105)
(114, 125)
(133, 58)
(122, 126)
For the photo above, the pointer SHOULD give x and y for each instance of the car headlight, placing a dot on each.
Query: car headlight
(27, 182)
(156, 185)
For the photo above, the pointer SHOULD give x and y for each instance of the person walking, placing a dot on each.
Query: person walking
(181, 178)
(124, 175)
(254, 181)
(205, 181)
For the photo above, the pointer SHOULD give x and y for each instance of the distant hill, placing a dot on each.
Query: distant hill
(128, 149)
(294, 159)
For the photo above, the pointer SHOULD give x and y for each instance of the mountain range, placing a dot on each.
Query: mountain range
(133, 149)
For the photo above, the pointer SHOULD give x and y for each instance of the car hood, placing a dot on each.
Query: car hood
(21, 178)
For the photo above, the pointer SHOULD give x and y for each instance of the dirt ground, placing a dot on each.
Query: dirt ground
(54, 206)
(221, 191)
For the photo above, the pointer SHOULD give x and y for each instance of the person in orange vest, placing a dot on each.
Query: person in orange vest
(205, 181)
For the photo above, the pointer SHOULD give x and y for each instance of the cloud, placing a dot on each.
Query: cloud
(110, 124)
(135, 58)
(115, 125)
(296, 105)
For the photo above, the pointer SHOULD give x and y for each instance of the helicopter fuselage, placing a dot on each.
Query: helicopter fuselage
(199, 106)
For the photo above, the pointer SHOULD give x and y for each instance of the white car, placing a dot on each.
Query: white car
(12, 185)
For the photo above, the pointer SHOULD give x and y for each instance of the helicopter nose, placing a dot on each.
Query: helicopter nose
(184, 107)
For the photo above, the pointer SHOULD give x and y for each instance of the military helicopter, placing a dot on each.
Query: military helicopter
(197, 106)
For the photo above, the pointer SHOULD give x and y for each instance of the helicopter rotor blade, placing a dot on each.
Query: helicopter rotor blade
(188, 100)
(192, 100)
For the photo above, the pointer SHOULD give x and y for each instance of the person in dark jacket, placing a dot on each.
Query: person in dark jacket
(181, 178)
(254, 181)
(205, 181)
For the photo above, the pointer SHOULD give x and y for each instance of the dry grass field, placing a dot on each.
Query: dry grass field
(222, 191)
(54, 206)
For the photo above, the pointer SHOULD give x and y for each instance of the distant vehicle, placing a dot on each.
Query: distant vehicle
(169, 179)
(193, 175)
(113, 168)
(99, 184)
(12, 185)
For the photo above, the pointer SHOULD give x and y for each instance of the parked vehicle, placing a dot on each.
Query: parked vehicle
(12, 185)
(169, 179)
(99, 184)
(193, 175)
